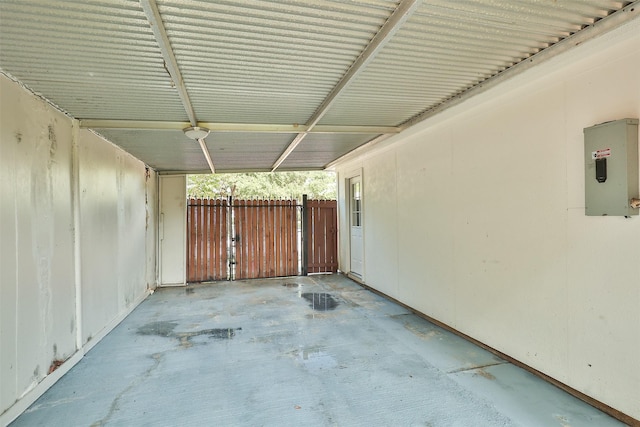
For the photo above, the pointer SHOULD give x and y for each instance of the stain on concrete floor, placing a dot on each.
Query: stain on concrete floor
(166, 329)
(160, 328)
(320, 301)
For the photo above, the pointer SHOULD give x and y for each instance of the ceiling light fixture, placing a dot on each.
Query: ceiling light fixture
(199, 134)
(196, 132)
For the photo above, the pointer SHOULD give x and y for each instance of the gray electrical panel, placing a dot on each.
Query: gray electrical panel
(611, 168)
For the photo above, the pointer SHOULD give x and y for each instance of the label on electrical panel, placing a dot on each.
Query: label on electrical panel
(601, 154)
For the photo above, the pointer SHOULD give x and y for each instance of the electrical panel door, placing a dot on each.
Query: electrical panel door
(611, 168)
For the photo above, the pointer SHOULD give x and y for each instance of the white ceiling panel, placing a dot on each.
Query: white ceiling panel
(238, 151)
(323, 148)
(162, 149)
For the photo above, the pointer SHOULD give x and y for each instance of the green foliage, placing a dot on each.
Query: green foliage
(272, 185)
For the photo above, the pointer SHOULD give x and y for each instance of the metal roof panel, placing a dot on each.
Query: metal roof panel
(263, 62)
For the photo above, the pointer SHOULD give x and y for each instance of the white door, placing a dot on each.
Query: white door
(355, 219)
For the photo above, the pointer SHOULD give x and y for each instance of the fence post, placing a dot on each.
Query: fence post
(231, 240)
(305, 236)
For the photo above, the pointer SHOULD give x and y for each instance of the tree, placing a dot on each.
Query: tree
(271, 185)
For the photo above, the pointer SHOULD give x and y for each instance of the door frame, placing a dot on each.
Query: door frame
(172, 230)
(348, 201)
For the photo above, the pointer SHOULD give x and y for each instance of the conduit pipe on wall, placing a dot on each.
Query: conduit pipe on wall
(75, 193)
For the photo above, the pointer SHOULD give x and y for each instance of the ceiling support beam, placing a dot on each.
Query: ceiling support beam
(205, 151)
(404, 10)
(235, 127)
(160, 33)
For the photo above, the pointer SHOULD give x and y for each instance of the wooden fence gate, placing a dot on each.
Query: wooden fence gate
(207, 235)
(321, 226)
(246, 239)
(266, 238)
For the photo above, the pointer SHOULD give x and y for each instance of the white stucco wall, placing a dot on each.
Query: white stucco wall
(475, 217)
(78, 238)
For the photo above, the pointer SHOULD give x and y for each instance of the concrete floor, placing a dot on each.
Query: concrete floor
(312, 351)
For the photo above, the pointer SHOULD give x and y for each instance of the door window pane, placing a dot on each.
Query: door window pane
(356, 214)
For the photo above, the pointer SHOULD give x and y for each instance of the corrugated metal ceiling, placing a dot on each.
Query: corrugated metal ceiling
(249, 65)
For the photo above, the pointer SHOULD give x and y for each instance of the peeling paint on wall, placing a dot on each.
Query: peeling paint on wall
(43, 224)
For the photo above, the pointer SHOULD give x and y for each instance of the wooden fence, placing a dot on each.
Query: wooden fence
(207, 254)
(259, 238)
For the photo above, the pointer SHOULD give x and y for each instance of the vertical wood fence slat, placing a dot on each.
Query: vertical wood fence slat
(264, 242)
(212, 255)
(201, 239)
(246, 239)
(311, 213)
(237, 222)
(260, 238)
(214, 218)
(271, 223)
(277, 239)
(261, 243)
(249, 236)
(192, 242)
(316, 237)
(286, 237)
(219, 238)
(250, 240)
(222, 242)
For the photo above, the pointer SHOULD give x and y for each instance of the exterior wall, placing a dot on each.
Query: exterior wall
(37, 274)
(479, 213)
(77, 223)
(113, 232)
